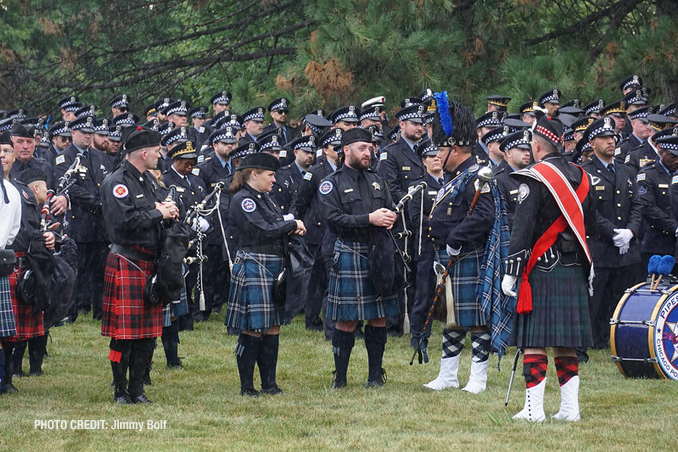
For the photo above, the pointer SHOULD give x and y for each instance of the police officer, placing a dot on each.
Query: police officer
(260, 229)
(279, 110)
(85, 219)
(309, 210)
(133, 224)
(60, 138)
(485, 124)
(358, 207)
(254, 124)
(614, 247)
(648, 152)
(418, 211)
(517, 151)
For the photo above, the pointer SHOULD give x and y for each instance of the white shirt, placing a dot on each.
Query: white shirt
(10, 215)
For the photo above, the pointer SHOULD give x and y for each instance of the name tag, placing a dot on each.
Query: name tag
(600, 187)
(406, 168)
(674, 180)
(348, 190)
(513, 192)
(432, 193)
(180, 190)
(140, 196)
(663, 185)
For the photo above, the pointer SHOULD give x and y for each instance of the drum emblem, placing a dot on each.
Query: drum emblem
(666, 337)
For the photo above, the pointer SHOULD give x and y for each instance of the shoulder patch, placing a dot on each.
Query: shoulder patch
(325, 187)
(640, 177)
(196, 171)
(248, 205)
(60, 159)
(617, 151)
(627, 159)
(283, 154)
(523, 192)
(674, 180)
(201, 158)
(383, 156)
(120, 191)
(308, 175)
(642, 190)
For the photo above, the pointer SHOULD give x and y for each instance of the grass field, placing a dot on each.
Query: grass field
(204, 410)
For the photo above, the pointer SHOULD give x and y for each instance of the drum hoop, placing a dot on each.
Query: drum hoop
(651, 333)
(613, 327)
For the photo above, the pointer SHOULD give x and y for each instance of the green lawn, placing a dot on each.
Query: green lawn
(204, 410)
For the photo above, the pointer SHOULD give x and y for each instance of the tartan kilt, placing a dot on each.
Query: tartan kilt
(250, 303)
(560, 311)
(464, 276)
(126, 315)
(351, 292)
(7, 323)
(29, 324)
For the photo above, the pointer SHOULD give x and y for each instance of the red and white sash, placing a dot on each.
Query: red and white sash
(572, 214)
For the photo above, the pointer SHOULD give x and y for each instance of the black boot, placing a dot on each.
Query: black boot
(246, 352)
(170, 343)
(119, 368)
(375, 343)
(7, 385)
(342, 344)
(268, 362)
(149, 366)
(36, 353)
(18, 358)
(137, 367)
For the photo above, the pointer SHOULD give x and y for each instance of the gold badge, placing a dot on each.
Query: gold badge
(376, 185)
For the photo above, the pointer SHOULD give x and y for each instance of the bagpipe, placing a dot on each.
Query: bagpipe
(485, 176)
(66, 181)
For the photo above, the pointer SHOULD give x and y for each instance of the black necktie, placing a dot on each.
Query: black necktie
(364, 193)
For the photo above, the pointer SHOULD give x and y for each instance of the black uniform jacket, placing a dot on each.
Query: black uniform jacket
(508, 187)
(307, 202)
(654, 182)
(399, 165)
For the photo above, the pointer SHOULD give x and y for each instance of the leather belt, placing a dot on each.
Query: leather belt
(264, 249)
(132, 253)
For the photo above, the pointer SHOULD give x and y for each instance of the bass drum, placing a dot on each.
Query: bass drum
(644, 332)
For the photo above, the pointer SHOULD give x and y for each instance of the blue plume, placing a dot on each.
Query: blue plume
(653, 264)
(443, 106)
(666, 265)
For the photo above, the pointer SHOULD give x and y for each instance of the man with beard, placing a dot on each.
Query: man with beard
(358, 207)
(86, 221)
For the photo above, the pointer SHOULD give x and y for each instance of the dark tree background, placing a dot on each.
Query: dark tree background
(324, 53)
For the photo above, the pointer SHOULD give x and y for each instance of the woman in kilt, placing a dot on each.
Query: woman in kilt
(260, 230)
(10, 221)
(549, 253)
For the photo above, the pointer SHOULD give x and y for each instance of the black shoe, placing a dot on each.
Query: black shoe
(337, 384)
(141, 398)
(275, 390)
(37, 373)
(250, 392)
(216, 309)
(18, 374)
(377, 382)
(176, 365)
(122, 398)
(582, 356)
(8, 388)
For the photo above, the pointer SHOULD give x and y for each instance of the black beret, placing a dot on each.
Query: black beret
(260, 160)
(355, 135)
(20, 130)
(31, 175)
(6, 138)
(140, 138)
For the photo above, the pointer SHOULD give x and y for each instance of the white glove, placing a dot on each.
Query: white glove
(624, 249)
(453, 251)
(622, 237)
(200, 224)
(288, 217)
(508, 285)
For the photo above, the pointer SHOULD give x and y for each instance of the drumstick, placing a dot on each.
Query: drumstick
(652, 265)
(664, 269)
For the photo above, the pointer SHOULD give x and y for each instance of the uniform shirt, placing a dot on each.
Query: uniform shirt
(399, 165)
(508, 187)
(86, 222)
(18, 169)
(254, 219)
(30, 218)
(10, 214)
(537, 210)
(348, 197)
(307, 202)
(287, 133)
(213, 170)
(415, 213)
(128, 202)
(618, 207)
(654, 182)
(450, 224)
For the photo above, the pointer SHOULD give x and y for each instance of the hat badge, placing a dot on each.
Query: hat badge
(601, 103)
(73, 99)
(183, 131)
(351, 109)
(124, 97)
(90, 120)
(66, 124)
(622, 105)
(283, 102)
(420, 110)
(224, 94)
(229, 130)
(118, 129)
(675, 132)
(189, 146)
(311, 140)
(576, 103)
(506, 130)
(555, 93)
(337, 133)
(104, 122)
(260, 111)
(635, 79)
(526, 135)
(183, 104)
(274, 139)
(608, 122)
(495, 115)
(251, 147)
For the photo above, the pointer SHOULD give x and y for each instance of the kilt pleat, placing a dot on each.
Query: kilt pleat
(126, 315)
(351, 293)
(29, 324)
(464, 276)
(250, 296)
(7, 322)
(560, 312)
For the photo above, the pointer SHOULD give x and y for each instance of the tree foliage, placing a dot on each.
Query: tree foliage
(324, 53)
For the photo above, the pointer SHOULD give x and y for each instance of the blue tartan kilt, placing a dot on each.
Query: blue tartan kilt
(351, 292)
(250, 297)
(7, 322)
(177, 308)
(465, 277)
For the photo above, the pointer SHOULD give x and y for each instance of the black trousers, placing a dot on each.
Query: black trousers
(89, 288)
(608, 287)
(424, 291)
(317, 286)
(216, 276)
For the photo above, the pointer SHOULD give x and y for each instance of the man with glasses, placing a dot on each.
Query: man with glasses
(279, 110)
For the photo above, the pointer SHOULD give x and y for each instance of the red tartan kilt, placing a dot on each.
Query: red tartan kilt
(28, 323)
(125, 313)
